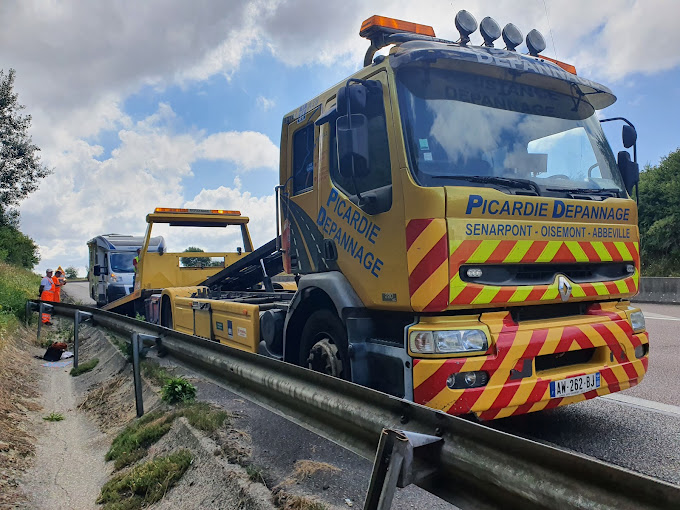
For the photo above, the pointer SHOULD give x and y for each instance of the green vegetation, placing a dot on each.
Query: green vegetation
(16, 286)
(144, 484)
(20, 174)
(203, 416)
(133, 442)
(53, 417)
(255, 474)
(17, 248)
(154, 372)
(659, 217)
(178, 389)
(71, 272)
(84, 367)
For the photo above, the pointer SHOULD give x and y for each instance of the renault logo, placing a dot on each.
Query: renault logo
(564, 287)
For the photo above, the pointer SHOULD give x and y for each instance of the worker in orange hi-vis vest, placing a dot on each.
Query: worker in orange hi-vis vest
(47, 294)
(59, 281)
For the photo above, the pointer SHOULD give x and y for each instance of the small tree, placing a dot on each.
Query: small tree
(20, 166)
(71, 272)
(659, 217)
(192, 261)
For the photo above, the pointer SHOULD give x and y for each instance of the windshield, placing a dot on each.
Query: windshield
(463, 129)
(122, 262)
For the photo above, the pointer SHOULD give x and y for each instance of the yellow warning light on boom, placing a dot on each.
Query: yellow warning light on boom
(196, 211)
(376, 24)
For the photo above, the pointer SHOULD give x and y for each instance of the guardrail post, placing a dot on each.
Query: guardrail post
(397, 464)
(137, 339)
(30, 306)
(43, 308)
(137, 375)
(79, 317)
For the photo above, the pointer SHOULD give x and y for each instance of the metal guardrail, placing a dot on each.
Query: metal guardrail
(465, 463)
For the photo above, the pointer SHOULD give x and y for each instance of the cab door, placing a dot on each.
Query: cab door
(302, 240)
(361, 216)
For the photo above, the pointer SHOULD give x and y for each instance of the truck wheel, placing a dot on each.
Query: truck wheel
(323, 345)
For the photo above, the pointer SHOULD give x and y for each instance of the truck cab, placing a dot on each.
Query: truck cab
(461, 228)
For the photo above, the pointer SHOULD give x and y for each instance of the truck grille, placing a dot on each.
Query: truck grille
(564, 359)
(544, 274)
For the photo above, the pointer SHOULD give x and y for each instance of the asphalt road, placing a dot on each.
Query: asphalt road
(638, 429)
(79, 292)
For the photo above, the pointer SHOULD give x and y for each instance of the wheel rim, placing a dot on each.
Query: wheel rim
(323, 357)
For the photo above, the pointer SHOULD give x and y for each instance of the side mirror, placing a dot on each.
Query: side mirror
(97, 270)
(630, 171)
(352, 137)
(629, 136)
(354, 97)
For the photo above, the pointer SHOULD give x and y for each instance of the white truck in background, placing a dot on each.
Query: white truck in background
(111, 269)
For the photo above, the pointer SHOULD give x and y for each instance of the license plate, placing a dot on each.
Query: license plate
(574, 385)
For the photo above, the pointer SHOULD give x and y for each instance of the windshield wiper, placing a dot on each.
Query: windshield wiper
(509, 182)
(588, 191)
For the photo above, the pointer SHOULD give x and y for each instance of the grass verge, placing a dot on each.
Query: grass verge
(16, 286)
(134, 441)
(84, 367)
(144, 484)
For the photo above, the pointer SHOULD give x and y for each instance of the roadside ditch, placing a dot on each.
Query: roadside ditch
(219, 450)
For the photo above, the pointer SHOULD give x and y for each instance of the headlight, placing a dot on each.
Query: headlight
(461, 340)
(114, 278)
(637, 320)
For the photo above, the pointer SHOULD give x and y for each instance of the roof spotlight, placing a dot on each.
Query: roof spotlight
(512, 36)
(466, 25)
(535, 42)
(490, 30)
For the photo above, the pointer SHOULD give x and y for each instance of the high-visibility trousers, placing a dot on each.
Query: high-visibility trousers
(47, 295)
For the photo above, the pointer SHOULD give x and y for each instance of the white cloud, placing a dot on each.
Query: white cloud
(247, 149)
(88, 196)
(264, 103)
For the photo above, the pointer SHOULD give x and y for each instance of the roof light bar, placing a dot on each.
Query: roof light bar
(196, 211)
(382, 24)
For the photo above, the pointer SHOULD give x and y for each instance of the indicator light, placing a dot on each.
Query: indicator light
(474, 272)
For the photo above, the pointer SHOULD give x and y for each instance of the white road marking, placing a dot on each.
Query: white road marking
(661, 317)
(648, 405)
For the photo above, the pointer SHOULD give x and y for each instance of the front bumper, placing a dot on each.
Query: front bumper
(517, 383)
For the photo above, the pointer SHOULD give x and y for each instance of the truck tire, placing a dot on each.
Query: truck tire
(323, 345)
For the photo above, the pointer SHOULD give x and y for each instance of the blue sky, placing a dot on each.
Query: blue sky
(180, 104)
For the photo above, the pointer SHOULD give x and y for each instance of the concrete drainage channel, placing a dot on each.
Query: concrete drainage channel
(257, 460)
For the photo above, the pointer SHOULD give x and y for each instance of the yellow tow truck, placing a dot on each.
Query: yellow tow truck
(159, 269)
(460, 232)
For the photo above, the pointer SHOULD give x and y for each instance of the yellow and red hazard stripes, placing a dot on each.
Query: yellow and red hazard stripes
(537, 252)
(427, 254)
(513, 388)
